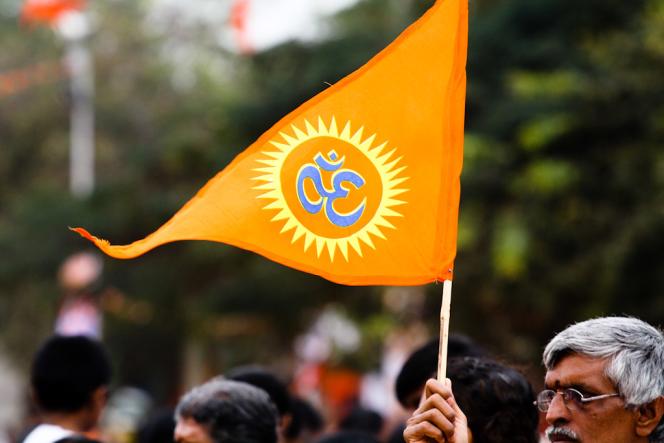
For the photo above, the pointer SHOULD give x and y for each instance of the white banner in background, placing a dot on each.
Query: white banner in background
(254, 25)
(267, 23)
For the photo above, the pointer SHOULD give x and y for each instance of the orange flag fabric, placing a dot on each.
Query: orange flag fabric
(48, 11)
(361, 183)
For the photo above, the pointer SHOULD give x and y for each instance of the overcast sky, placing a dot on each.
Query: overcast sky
(269, 22)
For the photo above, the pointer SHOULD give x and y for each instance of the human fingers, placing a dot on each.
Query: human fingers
(457, 409)
(423, 432)
(438, 402)
(443, 388)
(443, 418)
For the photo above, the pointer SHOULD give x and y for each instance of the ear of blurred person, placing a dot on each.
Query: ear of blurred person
(226, 411)
(69, 383)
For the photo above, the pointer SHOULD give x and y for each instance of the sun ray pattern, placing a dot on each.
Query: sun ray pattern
(384, 159)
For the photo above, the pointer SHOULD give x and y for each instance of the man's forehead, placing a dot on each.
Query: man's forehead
(578, 370)
(188, 430)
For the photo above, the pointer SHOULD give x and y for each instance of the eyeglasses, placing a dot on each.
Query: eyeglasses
(545, 398)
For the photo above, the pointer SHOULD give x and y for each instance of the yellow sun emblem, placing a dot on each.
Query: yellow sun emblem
(332, 188)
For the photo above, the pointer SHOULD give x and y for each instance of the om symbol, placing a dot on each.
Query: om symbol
(326, 196)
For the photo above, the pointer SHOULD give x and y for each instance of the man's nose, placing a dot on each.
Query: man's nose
(558, 411)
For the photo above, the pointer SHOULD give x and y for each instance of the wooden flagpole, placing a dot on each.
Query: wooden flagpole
(444, 329)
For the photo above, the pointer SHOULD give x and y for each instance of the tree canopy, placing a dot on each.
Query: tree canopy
(562, 207)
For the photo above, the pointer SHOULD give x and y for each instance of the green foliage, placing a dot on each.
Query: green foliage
(568, 115)
(562, 191)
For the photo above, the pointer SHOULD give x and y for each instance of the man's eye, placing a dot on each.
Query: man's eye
(584, 393)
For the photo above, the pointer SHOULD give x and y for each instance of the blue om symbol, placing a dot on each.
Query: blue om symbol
(327, 197)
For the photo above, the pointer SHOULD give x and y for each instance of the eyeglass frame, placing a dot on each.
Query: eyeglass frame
(577, 397)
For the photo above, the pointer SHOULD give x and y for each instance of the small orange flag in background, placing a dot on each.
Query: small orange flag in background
(360, 184)
(48, 11)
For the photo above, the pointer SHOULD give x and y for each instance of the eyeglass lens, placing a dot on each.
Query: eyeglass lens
(545, 398)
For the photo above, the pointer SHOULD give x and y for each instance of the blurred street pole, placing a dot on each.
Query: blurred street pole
(74, 27)
(194, 372)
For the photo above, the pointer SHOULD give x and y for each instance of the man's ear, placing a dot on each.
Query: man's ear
(98, 399)
(94, 407)
(648, 416)
(33, 396)
(284, 422)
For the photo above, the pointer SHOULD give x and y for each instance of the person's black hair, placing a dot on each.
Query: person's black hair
(362, 419)
(66, 370)
(231, 411)
(264, 379)
(396, 436)
(348, 437)
(305, 417)
(158, 428)
(496, 399)
(422, 364)
(76, 439)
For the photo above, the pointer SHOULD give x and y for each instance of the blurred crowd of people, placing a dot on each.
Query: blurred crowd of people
(604, 383)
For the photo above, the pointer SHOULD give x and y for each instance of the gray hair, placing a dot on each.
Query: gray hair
(231, 411)
(635, 353)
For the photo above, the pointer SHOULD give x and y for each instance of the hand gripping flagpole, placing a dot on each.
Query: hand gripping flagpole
(444, 329)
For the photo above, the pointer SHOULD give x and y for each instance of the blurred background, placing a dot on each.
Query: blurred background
(562, 206)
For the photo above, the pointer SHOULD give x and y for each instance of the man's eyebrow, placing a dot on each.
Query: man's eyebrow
(585, 388)
(579, 386)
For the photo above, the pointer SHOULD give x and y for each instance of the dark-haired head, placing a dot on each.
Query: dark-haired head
(158, 428)
(66, 372)
(75, 438)
(307, 421)
(421, 365)
(363, 420)
(267, 381)
(228, 412)
(497, 400)
(348, 437)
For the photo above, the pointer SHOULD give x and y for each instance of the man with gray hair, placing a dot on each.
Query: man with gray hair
(225, 411)
(605, 383)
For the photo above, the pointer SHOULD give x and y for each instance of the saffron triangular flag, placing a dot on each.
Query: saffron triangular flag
(360, 184)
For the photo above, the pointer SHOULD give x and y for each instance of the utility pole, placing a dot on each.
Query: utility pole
(74, 27)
